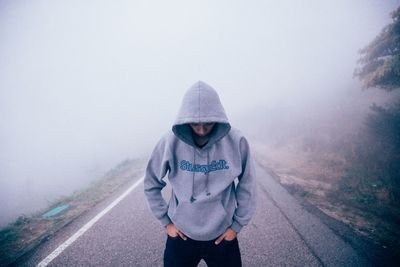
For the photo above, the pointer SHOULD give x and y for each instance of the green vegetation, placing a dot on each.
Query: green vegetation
(380, 61)
(375, 163)
(27, 232)
(372, 178)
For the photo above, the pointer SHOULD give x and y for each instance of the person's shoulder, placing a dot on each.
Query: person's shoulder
(167, 139)
(239, 139)
(236, 134)
(167, 135)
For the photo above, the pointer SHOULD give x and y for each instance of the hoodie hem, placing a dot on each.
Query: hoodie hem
(236, 226)
(165, 220)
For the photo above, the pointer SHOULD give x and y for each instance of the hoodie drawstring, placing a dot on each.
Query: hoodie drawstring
(208, 171)
(192, 198)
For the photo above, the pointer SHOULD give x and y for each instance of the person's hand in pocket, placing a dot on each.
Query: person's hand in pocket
(229, 235)
(172, 231)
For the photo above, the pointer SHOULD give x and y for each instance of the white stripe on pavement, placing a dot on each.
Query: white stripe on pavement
(86, 227)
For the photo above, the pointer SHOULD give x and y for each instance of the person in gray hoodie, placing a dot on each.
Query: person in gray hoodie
(210, 169)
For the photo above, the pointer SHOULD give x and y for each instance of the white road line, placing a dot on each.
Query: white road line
(86, 227)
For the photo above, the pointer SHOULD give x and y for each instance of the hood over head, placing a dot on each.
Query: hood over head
(201, 104)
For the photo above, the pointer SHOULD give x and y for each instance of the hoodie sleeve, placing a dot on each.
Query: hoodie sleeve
(157, 168)
(245, 190)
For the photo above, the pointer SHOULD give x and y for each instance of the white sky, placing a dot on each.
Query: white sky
(86, 84)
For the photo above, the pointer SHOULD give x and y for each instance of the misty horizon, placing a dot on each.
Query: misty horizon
(84, 86)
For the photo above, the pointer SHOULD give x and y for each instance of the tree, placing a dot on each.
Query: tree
(380, 60)
(376, 162)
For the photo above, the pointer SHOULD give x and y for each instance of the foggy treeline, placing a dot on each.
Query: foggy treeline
(344, 153)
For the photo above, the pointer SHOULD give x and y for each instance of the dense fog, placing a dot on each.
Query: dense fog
(87, 84)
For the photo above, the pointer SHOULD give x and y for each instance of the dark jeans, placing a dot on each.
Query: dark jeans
(187, 253)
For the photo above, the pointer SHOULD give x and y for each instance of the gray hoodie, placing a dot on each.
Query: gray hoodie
(205, 200)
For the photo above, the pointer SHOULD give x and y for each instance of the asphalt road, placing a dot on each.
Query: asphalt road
(282, 233)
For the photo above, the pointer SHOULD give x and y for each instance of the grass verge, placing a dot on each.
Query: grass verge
(27, 232)
(318, 179)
